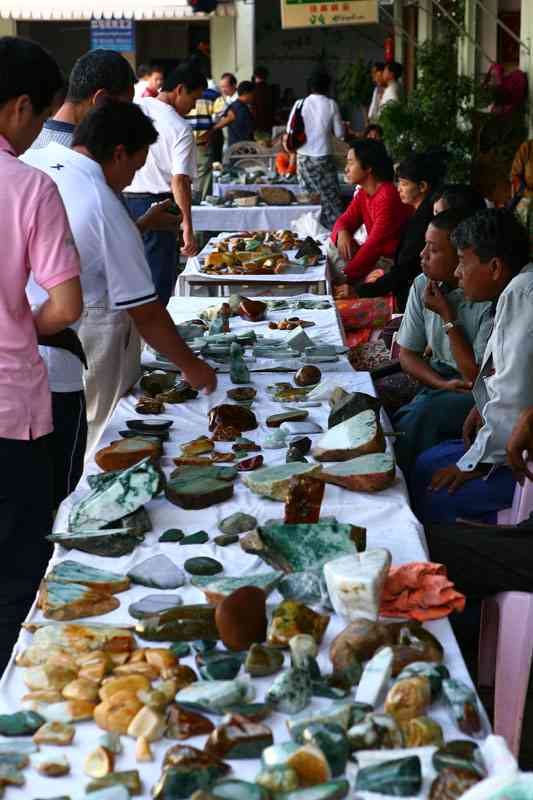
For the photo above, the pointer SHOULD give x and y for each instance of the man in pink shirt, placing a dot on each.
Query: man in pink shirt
(36, 238)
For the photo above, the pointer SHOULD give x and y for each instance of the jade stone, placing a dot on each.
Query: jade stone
(331, 738)
(273, 482)
(109, 793)
(21, 747)
(463, 703)
(262, 661)
(226, 539)
(181, 783)
(302, 547)
(157, 572)
(237, 523)
(239, 372)
(203, 645)
(200, 537)
(321, 688)
(339, 713)
(238, 790)
(153, 604)
(290, 692)
(278, 755)
(182, 649)
(278, 779)
(220, 666)
(401, 777)
(307, 587)
(435, 673)
(130, 779)
(216, 695)
(172, 535)
(224, 586)
(21, 723)
(14, 760)
(111, 543)
(180, 624)
(459, 754)
(203, 565)
(238, 738)
(111, 742)
(275, 440)
(294, 456)
(256, 712)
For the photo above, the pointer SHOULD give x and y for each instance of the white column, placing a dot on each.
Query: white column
(223, 46)
(8, 27)
(233, 42)
(425, 21)
(488, 34)
(526, 59)
(466, 50)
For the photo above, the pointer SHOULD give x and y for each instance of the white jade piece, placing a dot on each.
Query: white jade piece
(355, 583)
(375, 678)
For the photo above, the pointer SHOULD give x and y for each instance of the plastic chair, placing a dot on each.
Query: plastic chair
(506, 640)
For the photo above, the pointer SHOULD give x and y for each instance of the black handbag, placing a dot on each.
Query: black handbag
(296, 136)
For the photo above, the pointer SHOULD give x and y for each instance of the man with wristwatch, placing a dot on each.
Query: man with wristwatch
(438, 320)
(469, 478)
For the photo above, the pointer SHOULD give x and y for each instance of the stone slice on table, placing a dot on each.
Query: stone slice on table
(252, 310)
(180, 393)
(304, 500)
(51, 764)
(126, 779)
(157, 572)
(188, 473)
(349, 405)
(238, 737)
(130, 490)
(375, 678)
(200, 537)
(111, 542)
(149, 405)
(108, 793)
(274, 482)
(356, 436)
(297, 428)
(370, 473)
(149, 425)
(401, 777)
(298, 548)
(153, 604)
(185, 623)
(138, 522)
(235, 416)
(296, 415)
(249, 464)
(243, 394)
(57, 733)
(355, 583)
(339, 713)
(125, 453)
(76, 572)
(217, 665)
(215, 589)
(298, 340)
(66, 601)
(237, 523)
(217, 695)
(198, 494)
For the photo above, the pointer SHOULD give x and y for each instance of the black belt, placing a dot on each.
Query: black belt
(67, 339)
(149, 196)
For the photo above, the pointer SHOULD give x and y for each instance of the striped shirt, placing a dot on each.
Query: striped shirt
(54, 131)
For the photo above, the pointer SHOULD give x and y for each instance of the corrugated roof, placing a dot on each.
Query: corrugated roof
(75, 9)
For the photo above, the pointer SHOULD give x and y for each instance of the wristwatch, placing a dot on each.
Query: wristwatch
(449, 325)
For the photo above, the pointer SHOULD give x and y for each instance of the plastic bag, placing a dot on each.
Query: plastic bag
(308, 225)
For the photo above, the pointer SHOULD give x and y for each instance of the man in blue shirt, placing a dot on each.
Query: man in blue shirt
(238, 118)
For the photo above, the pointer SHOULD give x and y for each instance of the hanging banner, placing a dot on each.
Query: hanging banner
(113, 34)
(306, 14)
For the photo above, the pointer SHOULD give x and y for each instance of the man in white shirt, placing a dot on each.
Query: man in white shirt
(169, 172)
(390, 77)
(377, 78)
(109, 146)
(143, 70)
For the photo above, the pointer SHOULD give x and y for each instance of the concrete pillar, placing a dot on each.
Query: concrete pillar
(466, 50)
(8, 27)
(233, 42)
(425, 21)
(526, 59)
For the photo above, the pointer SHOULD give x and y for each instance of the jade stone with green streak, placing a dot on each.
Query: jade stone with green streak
(331, 738)
(290, 692)
(331, 790)
(219, 666)
(238, 790)
(459, 754)
(401, 777)
(21, 723)
(300, 547)
(172, 535)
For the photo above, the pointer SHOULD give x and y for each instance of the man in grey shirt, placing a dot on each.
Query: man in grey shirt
(439, 319)
(469, 478)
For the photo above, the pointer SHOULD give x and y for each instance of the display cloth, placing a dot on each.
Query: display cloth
(386, 516)
(256, 218)
(219, 189)
(310, 276)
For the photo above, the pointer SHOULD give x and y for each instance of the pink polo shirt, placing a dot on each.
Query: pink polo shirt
(34, 236)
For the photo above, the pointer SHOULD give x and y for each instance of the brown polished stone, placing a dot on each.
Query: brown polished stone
(183, 724)
(238, 737)
(252, 310)
(241, 618)
(307, 376)
(304, 500)
(232, 416)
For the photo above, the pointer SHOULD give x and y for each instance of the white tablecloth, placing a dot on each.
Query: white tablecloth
(260, 218)
(386, 516)
(220, 189)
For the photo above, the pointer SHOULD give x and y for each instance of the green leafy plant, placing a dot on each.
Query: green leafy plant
(439, 112)
(354, 86)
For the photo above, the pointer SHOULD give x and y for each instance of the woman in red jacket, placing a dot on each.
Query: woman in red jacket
(376, 205)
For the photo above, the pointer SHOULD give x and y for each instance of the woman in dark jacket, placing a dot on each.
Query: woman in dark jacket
(419, 178)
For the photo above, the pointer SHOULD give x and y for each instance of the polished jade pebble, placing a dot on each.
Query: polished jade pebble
(237, 523)
(435, 673)
(182, 649)
(203, 565)
(338, 713)
(400, 777)
(226, 539)
(330, 737)
(459, 754)
(200, 537)
(180, 783)
(216, 695)
(278, 779)
(262, 660)
(220, 666)
(153, 604)
(203, 645)
(290, 691)
(21, 723)
(238, 790)
(172, 535)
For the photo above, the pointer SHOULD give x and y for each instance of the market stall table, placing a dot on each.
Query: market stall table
(261, 217)
(386, 516)
(220, 188)
(297, 281)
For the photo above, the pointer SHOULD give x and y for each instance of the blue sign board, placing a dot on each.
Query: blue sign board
(113, 34)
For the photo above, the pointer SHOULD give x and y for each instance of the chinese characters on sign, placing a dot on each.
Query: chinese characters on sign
(306, 13)
(113, 34)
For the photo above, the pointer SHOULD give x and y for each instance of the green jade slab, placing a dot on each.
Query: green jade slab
(273, 482)
(267, 581)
